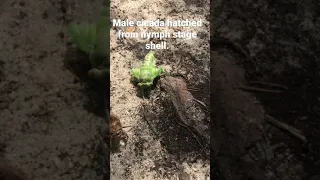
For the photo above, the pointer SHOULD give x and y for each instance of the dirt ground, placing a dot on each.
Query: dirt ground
(269, 42)
(50, 126)
(45, 129)
(158, 146)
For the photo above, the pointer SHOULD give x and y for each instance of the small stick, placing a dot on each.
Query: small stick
(126, 126)
(249, 88)
(295, 132)
(269, 84)
(41, 151)
(193, 89)
(201, 103)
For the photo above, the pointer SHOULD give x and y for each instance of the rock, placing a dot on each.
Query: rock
(84, 161)
(68, 164)
(4, 105)
(34, 110)
(188, 110)
(184, 176)
(57, 163)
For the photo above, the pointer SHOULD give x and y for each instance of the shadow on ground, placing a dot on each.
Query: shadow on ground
(78, 63)
(281, 51)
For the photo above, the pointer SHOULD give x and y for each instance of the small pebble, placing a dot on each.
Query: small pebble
(57, 162)
(84, 161)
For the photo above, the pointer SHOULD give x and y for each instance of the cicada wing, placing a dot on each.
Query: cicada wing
(135, 73)
(156, 72)
(149, 59)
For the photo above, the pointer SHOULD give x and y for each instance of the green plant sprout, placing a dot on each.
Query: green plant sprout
(94, 40)
(146, 74)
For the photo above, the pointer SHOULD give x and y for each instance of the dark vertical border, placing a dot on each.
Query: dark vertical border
(107, 88)
(216, 111)
(212, 166)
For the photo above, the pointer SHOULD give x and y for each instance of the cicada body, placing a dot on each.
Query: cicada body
(146, 74)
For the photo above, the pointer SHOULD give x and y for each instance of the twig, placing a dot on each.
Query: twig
(126, 126)
(269, 84)
(295, 132)
(41, 151)
(201, 103)
(193, 89)
(254, 89)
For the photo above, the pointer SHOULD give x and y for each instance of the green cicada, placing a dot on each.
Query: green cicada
(146, 74)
